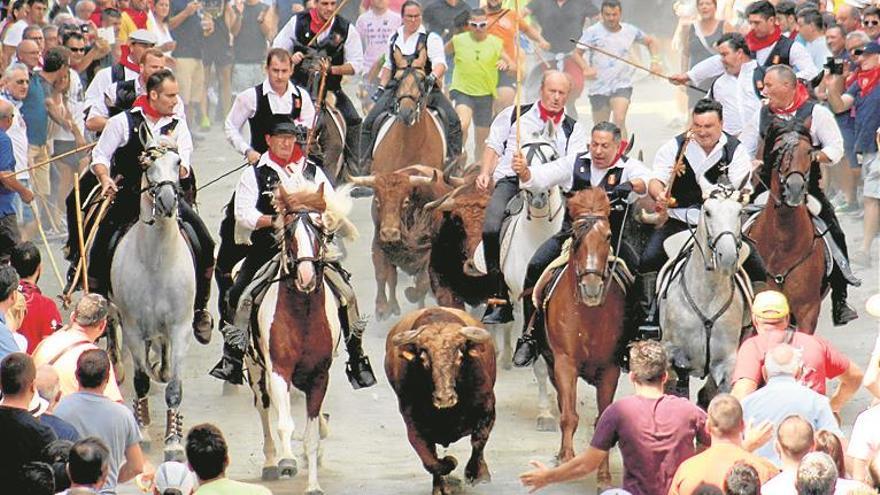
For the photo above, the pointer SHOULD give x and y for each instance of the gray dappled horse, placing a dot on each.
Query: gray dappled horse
(702, 312)
(154, 287)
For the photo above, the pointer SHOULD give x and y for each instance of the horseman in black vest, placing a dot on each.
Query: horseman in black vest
(535, 118)
(116, 165)
(605, 165)
(707, 153)
(260, 107)
(126, 69)
(253, 216)
(788, 99)
(341, 43)
(412, 40)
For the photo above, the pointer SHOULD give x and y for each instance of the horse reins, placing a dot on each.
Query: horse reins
(708, 322)
(580, 227)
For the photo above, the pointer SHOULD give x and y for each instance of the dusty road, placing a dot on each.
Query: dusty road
(367, 451)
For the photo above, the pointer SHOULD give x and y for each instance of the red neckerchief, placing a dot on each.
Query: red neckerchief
(868, 80)
(852, 77)
(125, 60)
(139, 18)
(801, 95)
(144, 104)
(316, 23)
(793, 34)
(624, 144)
(547, 114)
(756, 43)
(294, 157)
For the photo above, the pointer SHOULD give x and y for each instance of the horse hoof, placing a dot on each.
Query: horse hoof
(413, 295)
(395, 310)
(315, 492)
(287, 468)
(546, 423)
(270, 473)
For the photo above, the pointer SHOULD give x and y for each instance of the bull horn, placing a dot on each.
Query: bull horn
(475, 335)
(419, 180)
(455, 181)
(407, 337)
(362, 180)
(443, 203)
(320, 190)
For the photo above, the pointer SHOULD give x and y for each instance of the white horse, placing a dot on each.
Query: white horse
(154, 286)
(703, 311)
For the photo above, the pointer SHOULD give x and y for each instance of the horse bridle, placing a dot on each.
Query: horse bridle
(148, 157)
(785, 159)
(319, 235)
(710, 263)
(580, 227)
(419, 74)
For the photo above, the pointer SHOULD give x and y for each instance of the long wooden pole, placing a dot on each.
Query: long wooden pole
(46, 244)
(329, 21)
(79, 231)
(102, 210)
(518, 97)
(56, 157)
(318, 105)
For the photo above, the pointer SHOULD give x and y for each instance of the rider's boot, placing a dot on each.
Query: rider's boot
(203, 322)
(498, 307)
(841, 312)
(231, 365)
(650, 326)
(527, 346)
(357, 368)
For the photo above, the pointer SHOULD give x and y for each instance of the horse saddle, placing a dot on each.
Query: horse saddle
(514, 207)
(383, 124)
(549, 279)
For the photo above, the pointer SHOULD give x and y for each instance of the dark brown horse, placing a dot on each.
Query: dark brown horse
(298, 332)
(584, 319)
(784, 232)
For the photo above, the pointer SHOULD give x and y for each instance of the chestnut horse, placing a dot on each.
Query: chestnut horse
(413, 136)
(584, 319)
(784, 232)
(298, 331)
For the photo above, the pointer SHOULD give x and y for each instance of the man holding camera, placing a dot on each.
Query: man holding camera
(863, 99)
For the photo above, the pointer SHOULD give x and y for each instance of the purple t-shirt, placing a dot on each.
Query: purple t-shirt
(654, 435)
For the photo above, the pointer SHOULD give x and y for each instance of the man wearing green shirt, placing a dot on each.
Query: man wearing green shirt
(478, 58)
(208, 457)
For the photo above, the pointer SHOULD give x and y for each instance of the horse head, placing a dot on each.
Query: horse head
(719, 231)
(788, 153)
(591, 244)
(410, 90)
(161, 177)
(465, 205)
(303, 234)
(538, 152)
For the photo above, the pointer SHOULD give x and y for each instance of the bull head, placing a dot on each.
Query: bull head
(441, 349)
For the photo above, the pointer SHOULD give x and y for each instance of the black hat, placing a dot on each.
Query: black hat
(283, 127)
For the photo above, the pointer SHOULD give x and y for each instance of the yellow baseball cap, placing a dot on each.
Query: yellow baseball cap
(770, 305)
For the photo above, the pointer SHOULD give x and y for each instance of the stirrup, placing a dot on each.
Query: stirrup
(526, 352)
(360, 372)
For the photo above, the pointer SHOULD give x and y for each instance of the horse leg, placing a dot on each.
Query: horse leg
(258, 384)
(312, 435)
(279, 391)
(705, 395)
(605, 389)
(566, 395)
(546, 421)
(381, 268)
(506, 346)
(476, 470)
(173, 355)
(142, 405)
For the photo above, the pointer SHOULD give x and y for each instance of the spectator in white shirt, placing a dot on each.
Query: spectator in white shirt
(811, 27)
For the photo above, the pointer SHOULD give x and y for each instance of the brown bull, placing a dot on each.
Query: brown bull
(441, 364)
(403, 230)
(454, 277)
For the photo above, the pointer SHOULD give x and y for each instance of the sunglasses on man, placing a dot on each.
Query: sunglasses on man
(478, 25)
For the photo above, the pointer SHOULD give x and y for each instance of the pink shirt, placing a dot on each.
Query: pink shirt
(375, 30)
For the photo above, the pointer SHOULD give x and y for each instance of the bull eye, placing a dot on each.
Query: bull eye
(406, 202)
(376, 201)
(708, 214)
(426, 360)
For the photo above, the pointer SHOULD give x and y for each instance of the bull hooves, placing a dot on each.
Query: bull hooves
(270, 473)
(413, 295)
(395, 310)
(546, 423)
(479, 478)
(287, 468)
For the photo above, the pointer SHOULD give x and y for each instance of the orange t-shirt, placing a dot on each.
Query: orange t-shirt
(504, 26)
(711, 467)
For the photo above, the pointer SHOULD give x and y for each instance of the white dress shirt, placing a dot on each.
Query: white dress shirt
(245, 107)
(353, 50)
(101, 109)
(823, 131)
(561, 173)
(502, 137)
(736, 93)
(739, 168)
(103, 79)
(407, 46)
(247, 192)
(116, 134)
(17, 133)
(800, 60)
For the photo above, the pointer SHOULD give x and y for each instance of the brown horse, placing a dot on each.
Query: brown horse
(784, 232)
(413, 137)
(584, 319)
(298, 332)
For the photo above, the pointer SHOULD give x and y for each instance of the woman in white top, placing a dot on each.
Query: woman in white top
(157, 22)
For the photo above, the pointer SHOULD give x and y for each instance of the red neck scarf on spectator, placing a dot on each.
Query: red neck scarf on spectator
(548, 115)
(793, 34)
(868, 80)
(756, 43)
(316, 23)
(138, 17)
(144, 104)
(294, 157)
(801, 95)
(125, 60)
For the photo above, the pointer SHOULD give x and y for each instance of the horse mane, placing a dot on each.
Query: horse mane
(592, 201)
(779, 128)
(334, 204)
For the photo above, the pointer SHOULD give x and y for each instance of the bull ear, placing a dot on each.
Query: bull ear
(407, 337)
(363, 180)
(320, 190)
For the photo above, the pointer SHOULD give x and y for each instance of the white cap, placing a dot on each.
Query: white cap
(175, 475)
(142, 36)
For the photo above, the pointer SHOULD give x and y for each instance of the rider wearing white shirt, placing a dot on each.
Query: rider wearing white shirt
(254, 215)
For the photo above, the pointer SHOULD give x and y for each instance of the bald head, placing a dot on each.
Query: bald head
(555, 87)
(782, 360)
(783, 73)
(47, 383)
(794, 438)
(6, 109)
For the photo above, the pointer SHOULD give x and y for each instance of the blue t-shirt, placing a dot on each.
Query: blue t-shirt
(866, 110)
(63, 430)
(33, 109)
(7, 341)
(189, 35)
(7, 164)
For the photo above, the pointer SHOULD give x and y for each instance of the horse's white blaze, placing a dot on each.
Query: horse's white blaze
(305, 271)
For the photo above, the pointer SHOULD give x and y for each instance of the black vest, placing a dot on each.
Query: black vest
(333, 45)
(804, 115)
(421, 44)
(127, 163)
(267, 180)
(581, 174)
(779, 55)
(686, 190)
(117, 73)
(263, 118)
(126, 94)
